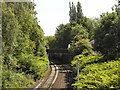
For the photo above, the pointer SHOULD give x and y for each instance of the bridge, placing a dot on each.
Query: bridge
(58, 55)
(57, 51)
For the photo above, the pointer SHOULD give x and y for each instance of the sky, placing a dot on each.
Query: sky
(52, 13)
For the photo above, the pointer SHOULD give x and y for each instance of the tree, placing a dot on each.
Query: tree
(107, 34)
(10, 30)
(79, 13)
(75, 15)
(72, 12)
(80, 41)
(63, 36)
(50, 42)
(89, 24)
(23, 45)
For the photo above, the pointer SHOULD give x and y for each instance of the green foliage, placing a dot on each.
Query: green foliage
(74, 34)
(62, 36)
(80, 41)
(75, 15)
(24, 58)
(107, 34)
(10, 30)
(96, 74)
(79, 13)
(11, 79)
(79, 30)
(78, 17)
(65, 34)
(100, 75)
(79, 26)
(50, 42)
(72, 12)
(89, 25)
(97, 70)
(36, 66)
(86, 58)
(78, 46)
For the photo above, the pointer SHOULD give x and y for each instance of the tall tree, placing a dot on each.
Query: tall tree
(72, 13)
(75, 15)
(79, 13)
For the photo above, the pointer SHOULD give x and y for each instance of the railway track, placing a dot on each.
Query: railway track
(48, 83)
(58, 77)
(64, 79)
(69, 75)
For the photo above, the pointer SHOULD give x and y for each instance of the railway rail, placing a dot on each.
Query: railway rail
(64, 79)
(58, 77)
(48, 83)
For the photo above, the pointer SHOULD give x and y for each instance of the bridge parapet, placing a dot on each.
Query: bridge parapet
(57, 51)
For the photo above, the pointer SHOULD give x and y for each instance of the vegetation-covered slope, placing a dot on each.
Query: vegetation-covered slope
(24, 57)
(96, 73)
(99, 70)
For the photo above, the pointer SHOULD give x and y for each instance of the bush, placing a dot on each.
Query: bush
(85, 59)
(39, 67)
(94, 73)
(36, 66)
(29, 68)
(11, 79)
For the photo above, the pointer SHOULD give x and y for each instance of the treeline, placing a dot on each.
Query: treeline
(24, 57)
(77, 33)
(97, 44)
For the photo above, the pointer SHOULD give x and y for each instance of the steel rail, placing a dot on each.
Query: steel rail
(53, 81)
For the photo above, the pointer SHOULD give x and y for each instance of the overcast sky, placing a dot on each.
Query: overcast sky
(51, 13)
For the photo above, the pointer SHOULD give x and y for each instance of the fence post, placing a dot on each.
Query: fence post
(78, 67)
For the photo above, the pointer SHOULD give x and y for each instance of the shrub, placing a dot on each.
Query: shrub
(36, 66)
(85, 59)
(94, 73)
(11, 79)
